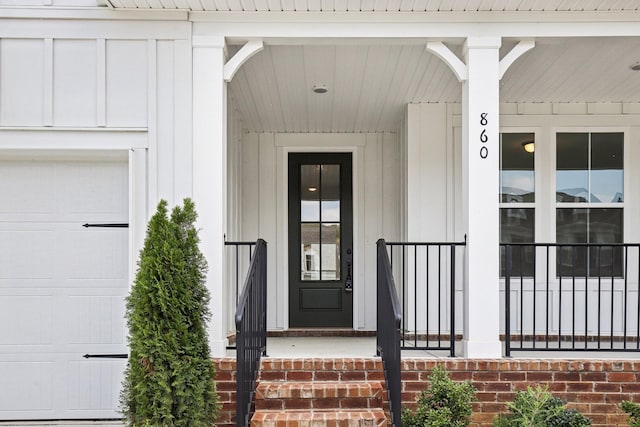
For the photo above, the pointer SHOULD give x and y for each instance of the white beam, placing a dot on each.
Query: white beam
(302, 31)
(458, 67)
(247, 51)
(518, 50)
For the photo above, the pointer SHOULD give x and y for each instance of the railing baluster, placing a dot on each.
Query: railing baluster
(507, 300)
(452, 301)
(626, 271)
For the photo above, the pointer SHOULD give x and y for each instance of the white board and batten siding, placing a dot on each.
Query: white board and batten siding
(86, 126)
(376, 193)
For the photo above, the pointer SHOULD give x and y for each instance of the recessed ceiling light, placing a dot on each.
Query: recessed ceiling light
(320, 88)
(636, 66)
(529, 146)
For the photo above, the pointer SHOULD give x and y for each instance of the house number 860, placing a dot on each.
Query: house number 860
(484, 151)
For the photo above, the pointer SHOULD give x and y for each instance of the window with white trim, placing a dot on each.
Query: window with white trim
(589, 202)
(517, 200)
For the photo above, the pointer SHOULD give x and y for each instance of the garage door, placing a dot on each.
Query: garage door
(61, 287)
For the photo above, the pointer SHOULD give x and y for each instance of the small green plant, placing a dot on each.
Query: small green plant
(633, 409)
(445, 404)
(536, 407)
(169, 376)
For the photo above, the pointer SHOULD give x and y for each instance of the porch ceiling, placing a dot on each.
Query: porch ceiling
(369, 85)
(381, 5)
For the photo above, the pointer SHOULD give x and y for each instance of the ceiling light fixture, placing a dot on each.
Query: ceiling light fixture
(320, 89)
(313, 189)
(635, 66)
(529, 146)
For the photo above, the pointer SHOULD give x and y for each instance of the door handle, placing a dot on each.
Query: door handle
(348, 283)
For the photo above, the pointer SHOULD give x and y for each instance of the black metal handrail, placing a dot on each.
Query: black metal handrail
(389, 318)
(571, 297)
(251, 332)
(426, 272)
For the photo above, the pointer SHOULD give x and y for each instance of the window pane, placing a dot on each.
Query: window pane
(589, 226)
(310, 193)
(572, 167)
(605, 226)
(516, 168)
(606, 167)
(310, 251)
(330, 252)
(330, 193)
(517, 226)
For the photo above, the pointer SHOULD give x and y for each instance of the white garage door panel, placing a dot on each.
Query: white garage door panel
(26, 320)
(31, 387)
(62, 288)
(63, 191)
(94, 386)
(26, 254)
(96, 320)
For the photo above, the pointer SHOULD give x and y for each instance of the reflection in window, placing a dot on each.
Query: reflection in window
(589, 167)
(517, 174)
(320, 222)
(591, 225)
(517, 225)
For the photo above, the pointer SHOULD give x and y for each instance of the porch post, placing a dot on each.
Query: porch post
(480, 157)
(210, 173)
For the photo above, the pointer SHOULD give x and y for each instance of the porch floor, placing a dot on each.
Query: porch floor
(287, 347)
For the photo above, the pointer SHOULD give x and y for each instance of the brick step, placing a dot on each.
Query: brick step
(342, 418)
(297, 395)
(321, 369)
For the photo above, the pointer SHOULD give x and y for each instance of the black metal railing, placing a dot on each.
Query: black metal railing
(428, 284)
(389, 318)
(251, 332)
(571, 297)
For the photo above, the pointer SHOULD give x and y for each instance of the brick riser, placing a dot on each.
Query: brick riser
(320, 392)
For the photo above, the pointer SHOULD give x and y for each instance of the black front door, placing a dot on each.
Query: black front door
(320, 240)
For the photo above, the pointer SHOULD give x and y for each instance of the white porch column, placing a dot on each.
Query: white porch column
(210, 172)
(480, 158)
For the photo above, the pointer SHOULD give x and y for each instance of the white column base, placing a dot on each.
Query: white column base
(481, 349)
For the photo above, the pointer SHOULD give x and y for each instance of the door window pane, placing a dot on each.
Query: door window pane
(330, 252)
(517, 176)
(517, 226)
(310, 251)
(310, 193)
(572, 167)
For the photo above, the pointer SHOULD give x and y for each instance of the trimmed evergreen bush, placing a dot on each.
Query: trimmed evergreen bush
(169, 379)
(445, 403)
(536, 407)
(633, 409)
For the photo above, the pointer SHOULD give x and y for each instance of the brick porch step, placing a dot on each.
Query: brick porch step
(341, 392)
(342, 418)
(272, 395)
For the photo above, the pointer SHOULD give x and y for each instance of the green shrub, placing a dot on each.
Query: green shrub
(536, 407)
(633, 409)
(445, 404)
(169, 375)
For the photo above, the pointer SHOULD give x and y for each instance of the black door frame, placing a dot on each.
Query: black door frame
(320, 318)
